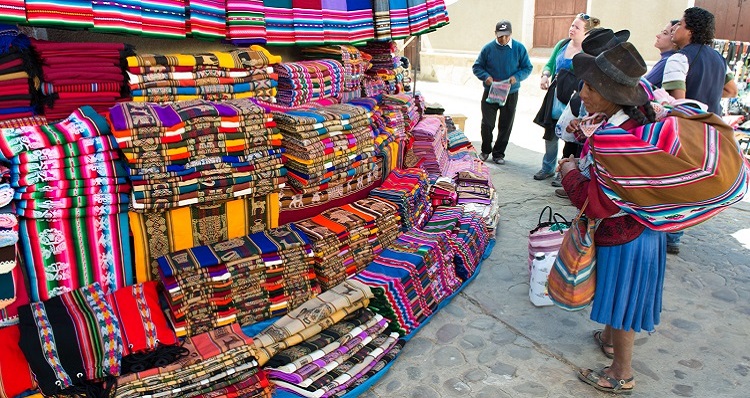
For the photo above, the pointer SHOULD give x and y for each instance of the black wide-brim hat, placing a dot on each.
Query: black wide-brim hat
(615, 74)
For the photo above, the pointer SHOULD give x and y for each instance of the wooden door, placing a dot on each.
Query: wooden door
(732, 18)
(552, 19)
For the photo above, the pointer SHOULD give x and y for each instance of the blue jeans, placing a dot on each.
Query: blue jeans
(549, 162)
(673, 238)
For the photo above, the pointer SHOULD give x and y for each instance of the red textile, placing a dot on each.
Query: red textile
(611, 231)
(141, 331)
(74, 48)
(294, 215)
(15, 375)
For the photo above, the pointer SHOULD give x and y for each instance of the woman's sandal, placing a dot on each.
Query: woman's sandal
(592, 377)
(602, 345)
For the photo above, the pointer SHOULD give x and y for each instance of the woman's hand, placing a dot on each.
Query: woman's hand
(488, 81)
(565, 165)
(544, 83)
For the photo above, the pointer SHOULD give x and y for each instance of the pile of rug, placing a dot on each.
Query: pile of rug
(71, 196)
(407, 189)
(78, 74)
(216, 76)
(355, 64)
(245, 280)
(347, 238)
(20, 74)
(431, 145)
(475, 189)
(306, 81)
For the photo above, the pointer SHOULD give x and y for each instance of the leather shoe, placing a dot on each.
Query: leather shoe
(673, 249)
(543, 175)
(560, 193)
(484, 156)
(499, 160)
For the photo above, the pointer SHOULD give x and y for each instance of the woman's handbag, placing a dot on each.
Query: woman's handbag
(572, 280)
(548, 235)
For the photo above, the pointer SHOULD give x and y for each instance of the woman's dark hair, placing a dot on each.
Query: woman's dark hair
(701, 25)
(674, 22)
(643, 114)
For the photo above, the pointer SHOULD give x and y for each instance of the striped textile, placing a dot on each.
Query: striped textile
(312, 317)
(121, 16)
(279, 22)
(308, 22)
(207, 19)
(382, 20)
(72, 342)
(399, 15)
(157, 233)
(418, 18)
(12, 11)
(220, 363)
(246, 22)
(74, 14)
(672, 174)
(164, 18)
(360, 21)
(437, 13)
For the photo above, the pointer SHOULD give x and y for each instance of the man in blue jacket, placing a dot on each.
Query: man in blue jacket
(500, 59)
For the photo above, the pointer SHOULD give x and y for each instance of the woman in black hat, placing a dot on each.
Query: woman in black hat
(630, 258)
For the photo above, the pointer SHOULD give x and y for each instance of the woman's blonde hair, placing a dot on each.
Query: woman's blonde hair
(589, 22)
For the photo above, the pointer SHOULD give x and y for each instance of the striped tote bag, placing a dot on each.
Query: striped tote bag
(572, 280)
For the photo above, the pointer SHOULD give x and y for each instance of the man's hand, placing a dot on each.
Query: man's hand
(488, 81)
(512, 80)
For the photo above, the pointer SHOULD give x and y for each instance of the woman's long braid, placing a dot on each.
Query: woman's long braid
(642, 117)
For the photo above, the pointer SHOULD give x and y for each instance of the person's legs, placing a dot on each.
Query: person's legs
(505, 125)
(673, 242)
(549, 162)
(489, 112)
(621, 368)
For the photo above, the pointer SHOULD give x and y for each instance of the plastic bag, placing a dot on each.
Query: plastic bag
(498, 92)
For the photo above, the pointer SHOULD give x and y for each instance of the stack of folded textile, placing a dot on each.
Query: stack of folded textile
(467, 237)
(407, 189)
(306, 81)
(372, 86)
(311, 318)
(164, 18)
(210, 19)
(443, 192)
(408, 107)
(355, 64)
(458, 144)
(220, 362)
(347, 21)
(71, 193)
(279, 22)
(248, 279)
(475, 189)
(387, 144)
(435, 249)
(384, 55)
(77, 74)
(217, 76)
(245, 23)
(340, 358)
(327, 147)
(19, 76)
(431, 145)
(192, 152)
(346, 239)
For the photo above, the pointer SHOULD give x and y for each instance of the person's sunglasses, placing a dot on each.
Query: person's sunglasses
(583, 16)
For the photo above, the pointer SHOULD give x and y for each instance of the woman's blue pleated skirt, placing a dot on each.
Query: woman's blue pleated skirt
(629, 282)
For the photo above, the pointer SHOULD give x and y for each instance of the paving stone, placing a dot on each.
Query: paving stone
(472, 342)
(683, 390)
(414, 373)
(456, 387)
(686, 325)
(520, 353)
(393, 385)
(730, 296)
(691, 363)
(642, 368)
(417, 347)
(448, 357)
(492, 392)
(503, 369)
(482, 323)
(475, 375)
(502, 337)
(532, 389)
(456, 310)
(741, 370)
(422, 391)
(487, 356)
(447, 333)
(679, 374)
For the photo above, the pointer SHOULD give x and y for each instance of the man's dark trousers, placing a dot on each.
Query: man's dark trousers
(504, 121)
